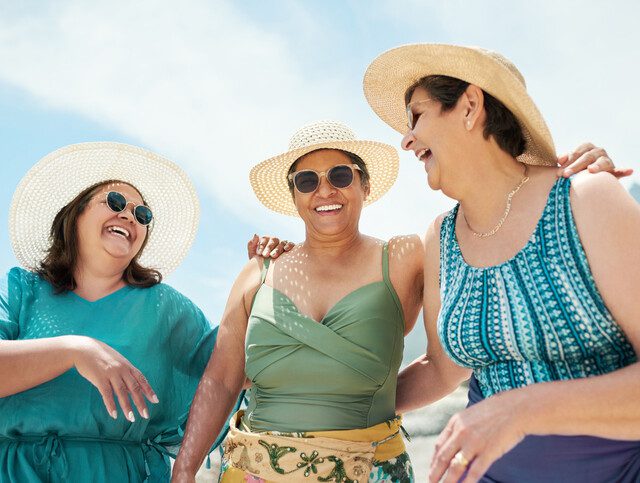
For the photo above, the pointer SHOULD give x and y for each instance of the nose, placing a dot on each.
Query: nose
(408, 140)
(325, 188)
(127, 213)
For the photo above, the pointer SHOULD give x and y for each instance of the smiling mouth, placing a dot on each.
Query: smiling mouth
(119, 231)
(328, 209)
(424, 155)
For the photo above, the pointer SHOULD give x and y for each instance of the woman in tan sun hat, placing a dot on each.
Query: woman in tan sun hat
(95, 227)
(531, 281)
(318, 332)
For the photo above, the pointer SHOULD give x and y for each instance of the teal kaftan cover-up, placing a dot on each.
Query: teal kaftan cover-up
(60, 430)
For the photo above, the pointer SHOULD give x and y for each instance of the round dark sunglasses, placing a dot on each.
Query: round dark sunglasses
(117, 202)
(339, 176)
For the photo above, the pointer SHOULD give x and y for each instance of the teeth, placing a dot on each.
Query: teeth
(328, 207)
(422, 155)
(119, 230)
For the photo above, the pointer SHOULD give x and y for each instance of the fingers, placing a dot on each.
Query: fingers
(478, 467)
(122, 392)
(136, 382)
(107, 398)
(252, 246)
(272, 242)
(283, 246)
(622, 173)
(587, 156)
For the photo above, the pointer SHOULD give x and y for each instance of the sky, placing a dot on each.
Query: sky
(218, 86)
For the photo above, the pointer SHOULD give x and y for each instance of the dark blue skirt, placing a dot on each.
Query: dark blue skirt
(564, 459)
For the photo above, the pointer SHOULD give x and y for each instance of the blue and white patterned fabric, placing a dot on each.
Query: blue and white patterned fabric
(536, 317)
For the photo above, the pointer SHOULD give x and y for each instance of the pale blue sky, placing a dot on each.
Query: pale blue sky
(218, 86)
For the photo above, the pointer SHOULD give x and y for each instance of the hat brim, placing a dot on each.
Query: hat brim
(269, 178)
(63, 174)
(390, 75)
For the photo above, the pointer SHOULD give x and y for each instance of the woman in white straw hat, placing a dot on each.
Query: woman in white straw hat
(96, 226)
(319, 331)
(531, 282)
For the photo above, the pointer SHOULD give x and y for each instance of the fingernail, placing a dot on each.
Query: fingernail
(154, 399)
(265, 252)
(273, 252)
(130, 417)
(568, 172)
(145, 413)
(255, 235)
(114, 414)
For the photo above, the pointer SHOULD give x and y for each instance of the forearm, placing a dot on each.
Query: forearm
(209, 411)
(28, 363)
(423, 382)
(605, 406)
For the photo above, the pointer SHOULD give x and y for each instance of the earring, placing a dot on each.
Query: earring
(468, 124)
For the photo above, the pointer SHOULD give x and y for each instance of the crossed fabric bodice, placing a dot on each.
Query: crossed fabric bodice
(338, 373)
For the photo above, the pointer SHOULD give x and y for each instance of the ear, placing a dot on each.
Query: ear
(367, 190)
(473, 106)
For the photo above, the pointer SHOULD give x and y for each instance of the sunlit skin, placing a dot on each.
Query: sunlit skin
(104, 255)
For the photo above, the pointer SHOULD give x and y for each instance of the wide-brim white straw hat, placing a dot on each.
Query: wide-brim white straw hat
(390, 75)
(60, 176)
(269, 178)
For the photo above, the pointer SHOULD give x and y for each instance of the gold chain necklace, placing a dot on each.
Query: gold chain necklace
(525, 178)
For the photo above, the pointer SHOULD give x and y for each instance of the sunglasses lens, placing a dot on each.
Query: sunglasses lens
(116, 201)
(340, 176)
(143, 215)
(306, 181)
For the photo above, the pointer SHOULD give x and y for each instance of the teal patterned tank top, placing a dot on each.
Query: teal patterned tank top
(536, 317)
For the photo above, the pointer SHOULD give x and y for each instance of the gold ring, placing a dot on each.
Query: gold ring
(460, 459)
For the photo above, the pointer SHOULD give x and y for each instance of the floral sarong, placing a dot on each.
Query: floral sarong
(372, 454)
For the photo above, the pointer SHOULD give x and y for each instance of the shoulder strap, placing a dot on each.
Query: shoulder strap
(387, 280)
(265, 269)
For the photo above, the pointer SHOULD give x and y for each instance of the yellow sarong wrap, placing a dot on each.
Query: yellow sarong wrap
(340, 455)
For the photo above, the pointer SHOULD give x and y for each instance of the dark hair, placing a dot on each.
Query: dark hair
(355, 159)
(500, 122)
(60, 261)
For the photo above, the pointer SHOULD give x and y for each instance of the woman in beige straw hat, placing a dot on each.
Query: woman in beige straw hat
(318, 332)
(531, 281)
(96, 226)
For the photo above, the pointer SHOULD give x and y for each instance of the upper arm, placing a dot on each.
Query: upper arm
(608, 223)
(431, 305)
(405, 271)
(227, 361)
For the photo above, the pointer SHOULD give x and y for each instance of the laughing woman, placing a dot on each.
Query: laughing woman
(531, 282)
(318, 331)
(96, 226)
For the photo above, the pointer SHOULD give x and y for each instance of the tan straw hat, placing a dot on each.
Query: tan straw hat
(60, 176)
(269, 178)
(390, 75)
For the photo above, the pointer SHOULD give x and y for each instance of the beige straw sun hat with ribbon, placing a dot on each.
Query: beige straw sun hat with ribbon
(269, 178)
(60, 176)
(390, 75)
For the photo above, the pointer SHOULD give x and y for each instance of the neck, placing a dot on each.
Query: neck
(333, 245)
(491, 178)
(94, 282)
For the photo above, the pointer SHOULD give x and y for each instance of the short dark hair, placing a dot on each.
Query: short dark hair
(500, 122)
(62, 256)
(355, 159)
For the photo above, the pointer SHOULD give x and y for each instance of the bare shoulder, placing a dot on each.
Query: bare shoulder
(432, 236)
(600, 199)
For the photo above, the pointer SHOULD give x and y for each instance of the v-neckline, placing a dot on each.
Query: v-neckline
(113, 294)
(333, 307)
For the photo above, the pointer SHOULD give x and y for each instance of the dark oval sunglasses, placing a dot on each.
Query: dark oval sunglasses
(117, 203)
(339, 176)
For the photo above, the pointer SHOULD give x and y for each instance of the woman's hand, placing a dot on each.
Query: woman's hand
(476, 437)
(267, 247)
(590, 157)
(111, 373)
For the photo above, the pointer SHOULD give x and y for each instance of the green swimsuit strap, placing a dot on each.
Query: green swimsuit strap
(387, 280)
